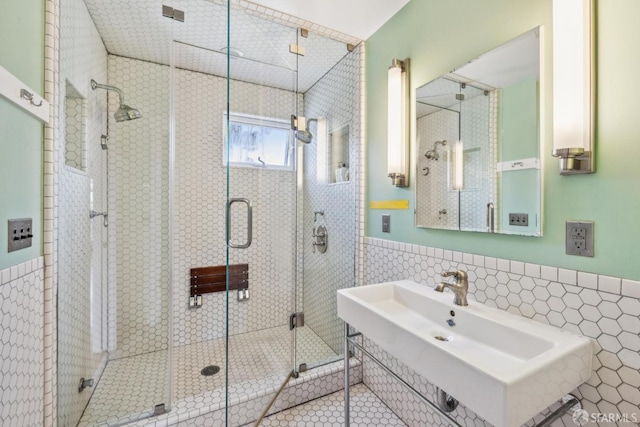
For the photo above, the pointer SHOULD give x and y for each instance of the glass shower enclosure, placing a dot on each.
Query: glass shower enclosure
(229, 229)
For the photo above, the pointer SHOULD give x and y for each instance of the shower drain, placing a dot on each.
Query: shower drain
(210, 370)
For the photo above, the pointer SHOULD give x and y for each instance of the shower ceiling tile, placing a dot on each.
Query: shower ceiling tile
(138, 30)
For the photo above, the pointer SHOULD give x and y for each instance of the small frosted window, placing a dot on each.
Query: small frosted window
(258, 142)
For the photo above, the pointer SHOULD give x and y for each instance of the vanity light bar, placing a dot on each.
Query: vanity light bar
(398, 123)
(573, 81)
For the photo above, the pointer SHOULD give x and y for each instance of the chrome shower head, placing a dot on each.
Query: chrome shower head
(433, 154)
(124, 113)
(305, 136)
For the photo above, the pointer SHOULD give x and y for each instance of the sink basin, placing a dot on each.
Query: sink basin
(504, 367)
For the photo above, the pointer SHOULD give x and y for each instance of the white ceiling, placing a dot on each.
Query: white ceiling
(358, 18)
(137, 29)
(512, 62)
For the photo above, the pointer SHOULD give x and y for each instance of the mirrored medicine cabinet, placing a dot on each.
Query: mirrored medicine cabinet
(478, 143)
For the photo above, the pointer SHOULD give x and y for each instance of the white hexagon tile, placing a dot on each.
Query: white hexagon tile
(21, 344)
(604, 308)
(366, 410)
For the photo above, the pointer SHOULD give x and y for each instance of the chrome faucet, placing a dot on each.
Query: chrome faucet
(459, 288)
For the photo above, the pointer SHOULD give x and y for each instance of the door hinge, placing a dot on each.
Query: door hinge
(296, 49)
(171, 13)
(296, 320)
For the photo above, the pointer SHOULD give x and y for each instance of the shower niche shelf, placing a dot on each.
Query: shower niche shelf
(339, 155)
(75, 129)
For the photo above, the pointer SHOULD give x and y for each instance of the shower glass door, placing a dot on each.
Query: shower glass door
(114, 258)
(262, 209)
(233, 95)
(329, 83)
(249, 198)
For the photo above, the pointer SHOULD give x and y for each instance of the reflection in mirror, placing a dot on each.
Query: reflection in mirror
(477, 142)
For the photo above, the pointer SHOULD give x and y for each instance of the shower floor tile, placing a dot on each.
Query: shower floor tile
(366, 410)
(132, 386)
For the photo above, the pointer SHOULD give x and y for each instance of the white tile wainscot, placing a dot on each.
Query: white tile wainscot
(604, 308)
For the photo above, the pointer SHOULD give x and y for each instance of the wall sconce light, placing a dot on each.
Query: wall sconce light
(573, 80)
(458, 166)
(398, 123)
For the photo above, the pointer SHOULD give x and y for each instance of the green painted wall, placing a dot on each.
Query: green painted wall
(440, 35)
(21, 135)
(518, 117)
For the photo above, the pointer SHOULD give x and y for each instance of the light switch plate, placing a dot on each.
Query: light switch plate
(386, 223)
(20, 234)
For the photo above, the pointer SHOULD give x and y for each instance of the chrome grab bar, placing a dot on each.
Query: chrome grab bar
(249, 223)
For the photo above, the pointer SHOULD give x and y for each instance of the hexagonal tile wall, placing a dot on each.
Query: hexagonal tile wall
(604, 308)
(21, 370)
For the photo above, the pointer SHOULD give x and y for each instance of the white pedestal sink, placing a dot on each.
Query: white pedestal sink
(504, 367)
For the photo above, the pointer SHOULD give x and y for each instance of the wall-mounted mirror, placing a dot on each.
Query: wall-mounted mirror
(478, 143)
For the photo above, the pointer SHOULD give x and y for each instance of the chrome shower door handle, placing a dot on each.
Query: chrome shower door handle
(249, 223)
(490, 218)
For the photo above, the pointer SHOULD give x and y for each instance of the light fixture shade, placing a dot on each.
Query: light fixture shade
(573, 85)
(458, 166)
(397, 123)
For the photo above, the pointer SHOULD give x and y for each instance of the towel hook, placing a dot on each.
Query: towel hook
(25, 94)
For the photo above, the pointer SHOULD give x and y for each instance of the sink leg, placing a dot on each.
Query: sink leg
(346, 375)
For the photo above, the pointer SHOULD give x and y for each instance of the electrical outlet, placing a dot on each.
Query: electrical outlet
(579, 238)
(519, 219)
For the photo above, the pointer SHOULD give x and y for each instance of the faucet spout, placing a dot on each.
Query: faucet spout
(440, 286)
(459, 288)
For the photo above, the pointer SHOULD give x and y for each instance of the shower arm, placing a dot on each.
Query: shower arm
(443, 143)
(95, 85)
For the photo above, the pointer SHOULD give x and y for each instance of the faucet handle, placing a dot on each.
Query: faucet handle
(449, 274)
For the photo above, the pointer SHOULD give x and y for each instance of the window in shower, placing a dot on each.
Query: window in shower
(259, 142)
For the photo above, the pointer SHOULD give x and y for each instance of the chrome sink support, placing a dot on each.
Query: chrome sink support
(347, 415)
(350, 339)
(446, 402)
(568, 403)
